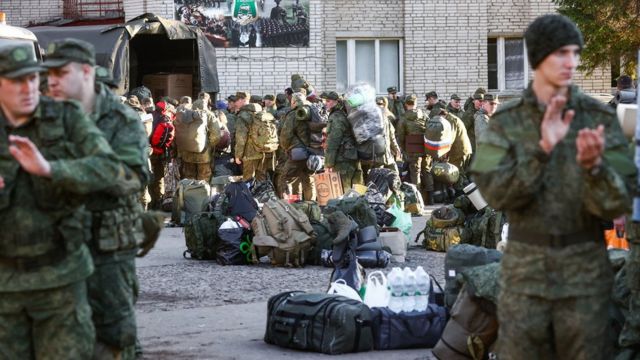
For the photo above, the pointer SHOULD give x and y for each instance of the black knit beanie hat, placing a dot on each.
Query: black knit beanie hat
(547, 34)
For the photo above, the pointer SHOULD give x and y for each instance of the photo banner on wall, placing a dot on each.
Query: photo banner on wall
(248, 23)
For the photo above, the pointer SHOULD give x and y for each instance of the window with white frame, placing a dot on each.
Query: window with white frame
(375, 61)
(508, 65)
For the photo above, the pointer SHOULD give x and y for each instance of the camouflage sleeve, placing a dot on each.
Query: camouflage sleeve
(214, 130)
(509, 176)
(96, 167)
(286, 134)
(241, 137)
(335, 133)
(607, 194)
(130, 142)
(401, 132)
(461, 147)
(393, 143)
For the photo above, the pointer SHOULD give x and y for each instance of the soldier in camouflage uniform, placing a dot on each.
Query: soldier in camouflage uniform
(482, 116)
(116, 227)
(51, 157)
(255, 164)
(394, 104)
(269, 102)
(296, 133)
(198, 165)
(468, 118)
(556, 162)
(454, 107)
(341, 154)
(433, 104)
(411, 129)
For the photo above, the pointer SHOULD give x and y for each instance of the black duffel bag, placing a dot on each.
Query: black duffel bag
(325, 323)
(406, 330)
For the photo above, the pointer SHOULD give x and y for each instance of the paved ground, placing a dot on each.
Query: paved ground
(192, 309)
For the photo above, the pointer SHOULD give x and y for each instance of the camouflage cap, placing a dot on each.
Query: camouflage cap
(323, 95)
(392, 89)
(411, 99)
(478, 96)
(332, 95)
(242, 95)
(491, 98)
(480, 91)
(255, 99)
(62, 52)
(232, 98)
(18, 60)
(455, 97)
(431, 94)
(269, 97)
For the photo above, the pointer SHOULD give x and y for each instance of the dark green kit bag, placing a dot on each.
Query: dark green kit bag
(200, 234)
(325, 323)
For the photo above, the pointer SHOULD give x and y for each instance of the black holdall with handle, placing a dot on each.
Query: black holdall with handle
(325, 323)
(406, 330)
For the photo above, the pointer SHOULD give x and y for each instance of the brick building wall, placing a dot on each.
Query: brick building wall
(21, 12)
(444, 41)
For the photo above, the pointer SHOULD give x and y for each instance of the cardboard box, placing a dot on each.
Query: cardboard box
(171, 85)
(328, 186)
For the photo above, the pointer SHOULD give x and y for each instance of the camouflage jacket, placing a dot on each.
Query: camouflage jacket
(480, 124)
(434, 110)
(468, 119)
(214, 132)
(396, 107)
(243, 125)
(295, 130)
(552, 194)
(413, 122)
(116, 223)
(457, 112)
(341, 144)
(272, 110)
(44, 225)
(460, 152)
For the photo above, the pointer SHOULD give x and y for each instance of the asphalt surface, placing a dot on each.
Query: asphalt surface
(190, 309)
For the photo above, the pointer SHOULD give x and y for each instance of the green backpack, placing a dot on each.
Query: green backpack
(282, 232)
(444, 229)
(264, 132)
(484, 228)
(201, 236)
(357, 208)
(310, 208)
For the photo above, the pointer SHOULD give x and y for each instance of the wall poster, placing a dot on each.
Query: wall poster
(248, 23)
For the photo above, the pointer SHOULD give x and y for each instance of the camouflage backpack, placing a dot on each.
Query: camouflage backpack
(283, 233)
(200, 234)
(484, 228)
(444, 229)
(264, 132)
(191, 130)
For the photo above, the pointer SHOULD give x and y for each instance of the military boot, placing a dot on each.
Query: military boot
(342, 226)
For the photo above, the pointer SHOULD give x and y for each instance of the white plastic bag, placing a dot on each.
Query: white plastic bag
(377, 294)
(340, 287)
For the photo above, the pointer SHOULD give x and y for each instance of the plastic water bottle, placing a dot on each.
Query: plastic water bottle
(396, 288)
(423, 286)
(409, 301)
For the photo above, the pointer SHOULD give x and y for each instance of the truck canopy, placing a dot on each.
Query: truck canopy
(144, 45)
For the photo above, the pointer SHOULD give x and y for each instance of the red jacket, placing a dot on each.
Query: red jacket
(162, 137)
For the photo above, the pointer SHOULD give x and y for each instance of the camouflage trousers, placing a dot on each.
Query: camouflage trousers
(198, 171)
(260, 169)
(46, 324)
(350, 174)
(420, 173)
(156, 186)
(113, 290)
(537, 328)
(297, 171)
